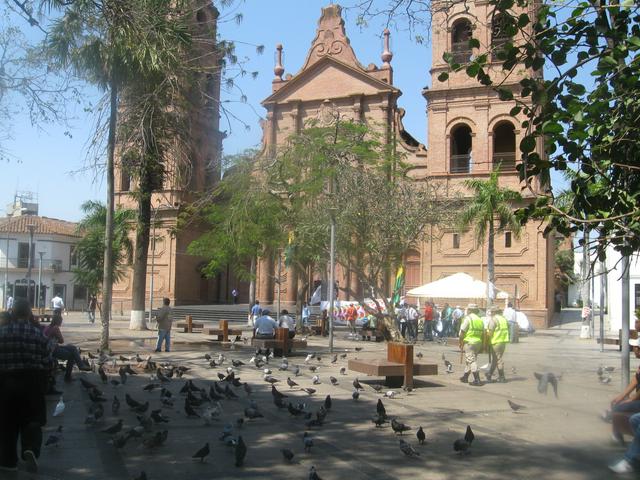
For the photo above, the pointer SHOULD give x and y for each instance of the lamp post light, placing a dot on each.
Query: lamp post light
(39, 293)
(31, 228)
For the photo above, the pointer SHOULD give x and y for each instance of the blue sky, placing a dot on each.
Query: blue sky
(53, 165)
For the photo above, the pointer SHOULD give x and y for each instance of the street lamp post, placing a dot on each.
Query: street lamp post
(31, 228)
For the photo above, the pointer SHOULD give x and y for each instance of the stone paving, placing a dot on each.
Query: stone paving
(552, 438)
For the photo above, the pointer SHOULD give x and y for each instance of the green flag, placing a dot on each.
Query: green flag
(397, 289)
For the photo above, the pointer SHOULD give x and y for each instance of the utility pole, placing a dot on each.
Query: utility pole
(279, 287)
(39, 293)
(31, 228)
(332, 275)
(602, 274)
(624, 336)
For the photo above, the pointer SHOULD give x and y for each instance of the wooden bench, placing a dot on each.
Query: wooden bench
(282, 344)
(633, 335)
(371, 334)
(223, 331)
(398, 368)
(188, 325)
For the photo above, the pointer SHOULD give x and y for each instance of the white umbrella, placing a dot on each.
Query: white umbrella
(458, 285)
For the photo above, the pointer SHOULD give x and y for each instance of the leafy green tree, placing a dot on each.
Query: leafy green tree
(90, 248)
(490, 210)
(564, 272)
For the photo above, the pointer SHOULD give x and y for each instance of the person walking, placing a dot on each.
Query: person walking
(445, 316)
(498, 336)
(93, 303)
(57, 304)
(428, 322)
(306, 315)
(412, 322)
(256, 312)
(456, 318)
(25, 361)
(470, 342)
(351, 314)
(9, 303)
(510, 314)
(164, 317)
(234, 296)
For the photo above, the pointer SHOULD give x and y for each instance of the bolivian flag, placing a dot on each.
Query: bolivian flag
(397, 289)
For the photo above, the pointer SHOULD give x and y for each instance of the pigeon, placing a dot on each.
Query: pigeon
(327, 402)
(333, 380)
(421, 436)
(449, 366)
(55, 438)
(390, 394)
(237, 363)
(276, 393)
(463, 445)
(313, 475)
(291, 383)
(241, 451)
(131, 402)
(123, 375)
(419, 355)
(120, 440)
(309, 357)
(129, 370)
(313, 368)
(270, 379)
(315, 380)
(307, 441)
(544, 379)
(399, 427)
(358, 349)
(95, 395)
(283, 366)
(378, 388)
(334, 359)
(189, 410)
(356, 385)
(379, 420)
(113, 428)
(150, 387)
(309, 390)
(103, 376)
(202, 453)
(515, 407)
(212, 413)
(145, 422)
(407, 449)
(252, 413)
(355, 395)
(59, 410)
(161, 376)
(207, 356)
(296, 371)
(156, 440)
(97, 410)
(142, 408)
(343, 370)
(229, 393)
(343, 356)
(157, 417)
(287, 454)
(293, 410)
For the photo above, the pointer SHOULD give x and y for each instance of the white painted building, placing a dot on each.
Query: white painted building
(53, 242)
(614, 290)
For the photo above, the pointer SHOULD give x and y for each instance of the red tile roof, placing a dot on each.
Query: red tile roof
(44, 225)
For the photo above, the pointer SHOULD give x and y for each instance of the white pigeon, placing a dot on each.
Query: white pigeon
(309, 357)
(59, 410)
(253, 359)
(316, 379)
(212, 413)
(229, 369)
(267, 371)
(390, 394)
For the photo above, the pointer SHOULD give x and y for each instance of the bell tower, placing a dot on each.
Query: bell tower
(472, 133)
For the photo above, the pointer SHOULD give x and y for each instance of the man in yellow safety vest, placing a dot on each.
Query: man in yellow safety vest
(471, 336)
(498, 333)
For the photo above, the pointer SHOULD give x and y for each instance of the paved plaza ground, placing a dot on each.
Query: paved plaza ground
(553, 438)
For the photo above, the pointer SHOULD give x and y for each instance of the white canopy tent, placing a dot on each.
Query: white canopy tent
(458, 285)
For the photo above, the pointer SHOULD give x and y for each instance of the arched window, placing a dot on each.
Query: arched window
(500, 34)
(125, 181)
(412, 263)
(460, 149)
(504, 146)
(460, 36)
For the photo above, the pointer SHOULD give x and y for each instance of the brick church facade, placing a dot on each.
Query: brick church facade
(470, 132)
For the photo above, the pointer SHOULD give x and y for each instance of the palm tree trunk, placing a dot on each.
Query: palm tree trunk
(141, 254)
(107, 279)
(490, 264)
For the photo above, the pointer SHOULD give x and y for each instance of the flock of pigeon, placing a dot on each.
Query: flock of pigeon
(206, 400)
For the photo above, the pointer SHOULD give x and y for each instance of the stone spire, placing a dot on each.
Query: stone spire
(386, 54)
(331, 39)
(278, 70)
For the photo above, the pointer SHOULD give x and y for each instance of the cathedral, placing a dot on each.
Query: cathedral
(470, 133)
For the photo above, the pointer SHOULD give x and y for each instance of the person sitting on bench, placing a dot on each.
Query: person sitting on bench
(287, 321)
(265, 326)
(67, 352)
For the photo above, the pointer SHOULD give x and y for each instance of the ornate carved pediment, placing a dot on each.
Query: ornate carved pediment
(331, 39)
